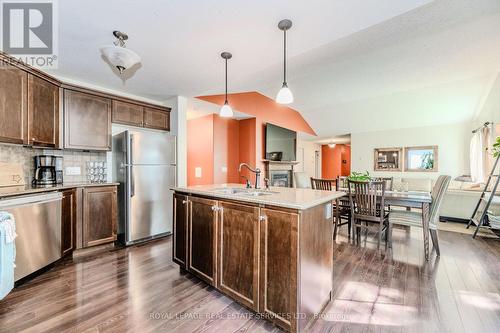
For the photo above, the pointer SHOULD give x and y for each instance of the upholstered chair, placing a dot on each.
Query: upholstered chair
(414, 219)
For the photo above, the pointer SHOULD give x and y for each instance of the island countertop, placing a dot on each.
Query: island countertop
(294, 198)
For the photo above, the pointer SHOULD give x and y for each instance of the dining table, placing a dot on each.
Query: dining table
(409, 200)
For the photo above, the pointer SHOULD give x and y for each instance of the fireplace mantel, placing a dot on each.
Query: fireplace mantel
(267, 162)
(273, 168)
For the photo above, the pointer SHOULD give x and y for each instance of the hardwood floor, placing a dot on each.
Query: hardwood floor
(140, 289)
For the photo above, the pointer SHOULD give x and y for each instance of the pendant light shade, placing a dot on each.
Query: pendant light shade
(119, 56)
(226, 111)
(285, 95)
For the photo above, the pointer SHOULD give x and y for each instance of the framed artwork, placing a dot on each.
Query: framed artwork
(421, 159)
(388, 159)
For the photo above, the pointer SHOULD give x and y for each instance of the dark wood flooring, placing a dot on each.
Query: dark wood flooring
(139, 289)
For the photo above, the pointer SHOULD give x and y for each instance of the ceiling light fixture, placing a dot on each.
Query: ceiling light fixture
(225, 110)
(119, 56)
(285, 95)
(332, 145)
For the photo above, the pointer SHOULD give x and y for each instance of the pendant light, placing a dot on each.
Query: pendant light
(119, 56)
(226, 110)
(285, 95)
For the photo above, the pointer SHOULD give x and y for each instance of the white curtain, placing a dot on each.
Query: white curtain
(487, 151)
(476, 157)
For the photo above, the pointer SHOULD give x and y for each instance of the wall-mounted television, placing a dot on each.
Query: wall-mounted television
(281, 143)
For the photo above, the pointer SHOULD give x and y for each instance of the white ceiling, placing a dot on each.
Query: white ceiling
(355, 65)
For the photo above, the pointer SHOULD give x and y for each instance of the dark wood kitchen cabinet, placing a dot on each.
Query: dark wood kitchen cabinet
(87, 121)
(156, 118)
(239, 252)
(99, 215)
(43, 112)
(127, 113)
(202, 239)
(278, 265)
(68, 220)
(179, 251)
(13, 105)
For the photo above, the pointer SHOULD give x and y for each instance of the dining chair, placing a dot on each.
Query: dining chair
(414, 219)
(301, 180)
(388, 182)
(344, 206)
(323, 184)
(367, 205)
(330, 185)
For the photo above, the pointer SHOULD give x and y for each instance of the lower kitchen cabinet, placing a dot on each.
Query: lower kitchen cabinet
(99, 215)
(179, 250)
(239, 252)
(278, 265)
(202, 239)
(68, 220)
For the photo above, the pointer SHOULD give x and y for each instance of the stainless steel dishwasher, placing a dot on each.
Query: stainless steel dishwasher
(38, 228)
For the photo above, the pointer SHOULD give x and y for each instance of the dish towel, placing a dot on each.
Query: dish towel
(7, 253)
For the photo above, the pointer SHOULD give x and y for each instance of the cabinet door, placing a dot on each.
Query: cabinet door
(202, 239)
(13, 105)
(239, 252)
(99, 215)
(87, 121)
(278, 262)
(68, 221)
(43, 112)
(179, 251)
(127, 113)
(155, 118)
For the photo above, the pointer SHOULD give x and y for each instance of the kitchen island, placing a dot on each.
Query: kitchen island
(270, 250)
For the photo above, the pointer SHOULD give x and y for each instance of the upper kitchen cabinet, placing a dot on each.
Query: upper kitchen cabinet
(13, 105)
(127, 113)
(156, 118)
(43, 112)
(87, 121)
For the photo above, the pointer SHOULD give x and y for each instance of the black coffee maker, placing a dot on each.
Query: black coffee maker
(45, 170)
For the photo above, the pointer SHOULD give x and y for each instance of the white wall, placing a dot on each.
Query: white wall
(452, 141)
(178, 127)
(308, 165)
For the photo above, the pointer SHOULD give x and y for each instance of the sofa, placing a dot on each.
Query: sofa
(459, 201)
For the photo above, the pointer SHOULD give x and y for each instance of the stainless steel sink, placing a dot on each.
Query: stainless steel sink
(243, 191)
(230, 190)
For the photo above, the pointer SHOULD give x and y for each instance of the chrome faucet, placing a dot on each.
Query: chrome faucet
(256, 171)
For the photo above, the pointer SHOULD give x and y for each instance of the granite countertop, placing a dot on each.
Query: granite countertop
(295, 198)
(10, 191)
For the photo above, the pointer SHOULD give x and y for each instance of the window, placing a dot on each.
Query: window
(423, 159)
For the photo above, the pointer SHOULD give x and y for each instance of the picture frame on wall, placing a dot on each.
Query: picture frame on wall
(388, 159)
(421, 159)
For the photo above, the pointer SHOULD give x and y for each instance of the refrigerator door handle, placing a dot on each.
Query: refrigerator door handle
(131, 173)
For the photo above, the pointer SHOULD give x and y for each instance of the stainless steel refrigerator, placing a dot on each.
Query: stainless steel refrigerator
(144, 163)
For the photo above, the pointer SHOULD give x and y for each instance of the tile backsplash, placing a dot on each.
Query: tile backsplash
(24, 156)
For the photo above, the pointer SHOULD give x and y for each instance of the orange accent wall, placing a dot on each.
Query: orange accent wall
(331, 161)
(247, 145)
(200, 150)
(213, 143)
(226, 150)
(263, 108)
